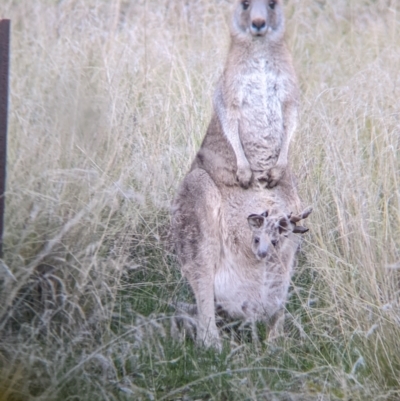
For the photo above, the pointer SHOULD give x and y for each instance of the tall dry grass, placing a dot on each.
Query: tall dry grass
(109, 103)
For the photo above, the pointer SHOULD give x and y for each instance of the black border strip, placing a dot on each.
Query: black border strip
(4, 86)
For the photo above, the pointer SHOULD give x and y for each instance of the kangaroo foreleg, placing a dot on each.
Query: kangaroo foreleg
(229, 119)
(289, 125)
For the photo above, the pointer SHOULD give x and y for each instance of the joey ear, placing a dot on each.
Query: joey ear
(306, 212)
(300, 229)
(283, 224)
(294, 218)
(255, 220)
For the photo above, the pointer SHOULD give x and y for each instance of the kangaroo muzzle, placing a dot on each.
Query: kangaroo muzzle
(258, 17)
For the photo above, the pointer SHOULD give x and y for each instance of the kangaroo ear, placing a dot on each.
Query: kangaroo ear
(294, 218)
(300, 229)
(255, 220)
(283, 225)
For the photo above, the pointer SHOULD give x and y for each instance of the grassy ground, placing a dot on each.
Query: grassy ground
(109, 102)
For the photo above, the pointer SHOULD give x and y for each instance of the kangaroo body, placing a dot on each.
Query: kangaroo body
(245, 287)
(213, 242)
(255, 105)
(221, 231)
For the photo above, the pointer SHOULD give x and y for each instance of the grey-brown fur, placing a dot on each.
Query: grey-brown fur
(255, 103)
(214, 244)
(246, 144)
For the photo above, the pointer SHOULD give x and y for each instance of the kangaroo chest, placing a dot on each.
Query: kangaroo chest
(261, 91)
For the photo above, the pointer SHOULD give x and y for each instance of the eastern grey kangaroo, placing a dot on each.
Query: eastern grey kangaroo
(255, 102)
(221, 201)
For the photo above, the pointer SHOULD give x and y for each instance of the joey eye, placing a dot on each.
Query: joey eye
(272, 4)
(245, 5)
(274, 242)
(256, 240)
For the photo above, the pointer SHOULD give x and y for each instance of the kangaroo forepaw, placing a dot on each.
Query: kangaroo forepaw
(275, 175)
(244, 175)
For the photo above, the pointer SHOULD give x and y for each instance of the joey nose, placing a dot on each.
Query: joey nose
(258, 24)
(262, 254)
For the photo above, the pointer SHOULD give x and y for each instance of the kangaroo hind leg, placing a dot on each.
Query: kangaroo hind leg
(196, 221)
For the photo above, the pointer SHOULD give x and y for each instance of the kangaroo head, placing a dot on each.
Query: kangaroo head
(268, 230)
(258, 18)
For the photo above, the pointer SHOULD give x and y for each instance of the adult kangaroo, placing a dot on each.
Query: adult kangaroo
(255, 102)
(235, 239)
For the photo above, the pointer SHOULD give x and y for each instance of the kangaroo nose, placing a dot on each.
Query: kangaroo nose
(262, 254)
(258, 24)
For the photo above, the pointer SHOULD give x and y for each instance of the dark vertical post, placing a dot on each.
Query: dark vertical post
(4, 71)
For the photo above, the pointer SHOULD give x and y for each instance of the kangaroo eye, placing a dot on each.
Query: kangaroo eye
(245, 5)
(272, 4)
(256, 240)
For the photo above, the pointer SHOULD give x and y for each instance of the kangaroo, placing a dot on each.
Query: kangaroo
(235, 240)
(255, 102)
(266, 231)
(237, 249)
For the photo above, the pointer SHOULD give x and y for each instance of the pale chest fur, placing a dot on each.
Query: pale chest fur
(260, 91)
